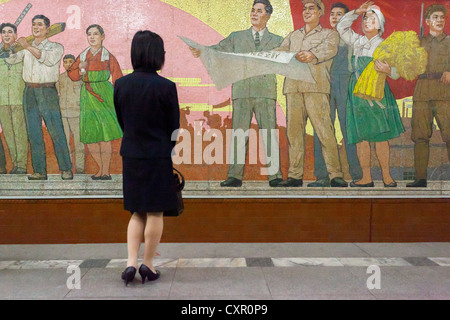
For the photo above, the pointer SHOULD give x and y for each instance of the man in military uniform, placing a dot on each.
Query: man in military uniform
(432, 93)
(12, 117)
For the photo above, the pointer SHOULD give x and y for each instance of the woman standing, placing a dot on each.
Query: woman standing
(148, 111)
(98, 121)
(370, 121)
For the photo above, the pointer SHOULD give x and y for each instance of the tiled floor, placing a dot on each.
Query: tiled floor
(207, 271)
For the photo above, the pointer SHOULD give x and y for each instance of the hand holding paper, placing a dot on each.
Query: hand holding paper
(226, 68)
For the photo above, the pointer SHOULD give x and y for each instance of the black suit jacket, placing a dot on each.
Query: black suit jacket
(148, 112)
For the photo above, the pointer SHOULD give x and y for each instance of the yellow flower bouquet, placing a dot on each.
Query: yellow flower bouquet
(401, 50)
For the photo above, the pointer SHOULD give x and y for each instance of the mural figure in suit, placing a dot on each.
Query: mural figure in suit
(256, 95)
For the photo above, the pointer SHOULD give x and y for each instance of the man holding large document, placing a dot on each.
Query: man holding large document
(255, 95)
(316, 47)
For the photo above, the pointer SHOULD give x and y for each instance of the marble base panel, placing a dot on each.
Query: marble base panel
(82, 186)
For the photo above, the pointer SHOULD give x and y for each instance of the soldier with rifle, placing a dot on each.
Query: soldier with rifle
(432, 93)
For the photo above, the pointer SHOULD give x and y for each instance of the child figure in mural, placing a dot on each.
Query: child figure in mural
(98, 120)
(12, 118)
(256, 95)
(432, 93)
(69, 101)
(41, 60)
(339, 77)
(367, 121)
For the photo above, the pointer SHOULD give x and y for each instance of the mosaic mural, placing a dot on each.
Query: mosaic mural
(288, 94)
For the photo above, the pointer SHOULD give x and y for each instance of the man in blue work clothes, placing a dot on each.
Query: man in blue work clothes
(339, 77)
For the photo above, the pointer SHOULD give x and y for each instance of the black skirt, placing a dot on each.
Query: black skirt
(148, 185)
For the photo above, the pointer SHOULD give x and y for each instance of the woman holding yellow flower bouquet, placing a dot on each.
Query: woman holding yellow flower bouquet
(370, 119)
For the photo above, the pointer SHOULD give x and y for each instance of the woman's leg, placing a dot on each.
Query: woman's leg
(135, 235)
(364, 156)
(95, 151)
(383, 152)
(105, 156)
(152, 234)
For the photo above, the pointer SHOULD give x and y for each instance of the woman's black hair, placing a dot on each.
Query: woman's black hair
(100, 29)
(147, 51)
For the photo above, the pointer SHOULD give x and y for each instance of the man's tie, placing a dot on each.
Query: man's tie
(257, 41)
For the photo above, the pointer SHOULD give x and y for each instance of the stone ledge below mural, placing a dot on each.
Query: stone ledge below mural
(82, 186)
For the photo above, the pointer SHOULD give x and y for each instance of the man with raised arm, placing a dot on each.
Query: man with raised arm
(340, 75)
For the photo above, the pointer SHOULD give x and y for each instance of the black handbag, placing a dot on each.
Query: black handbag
(179, 186)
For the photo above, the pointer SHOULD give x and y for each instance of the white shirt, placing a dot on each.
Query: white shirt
(261, 33)
(105, 54)
(42, 70)
(94, 53)
(361, 45)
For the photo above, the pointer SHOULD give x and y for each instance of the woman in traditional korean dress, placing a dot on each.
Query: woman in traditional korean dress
(98, 121)
(370, 121)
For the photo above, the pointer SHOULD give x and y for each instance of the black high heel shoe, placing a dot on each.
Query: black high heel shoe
(128, 275)
(146, 273)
